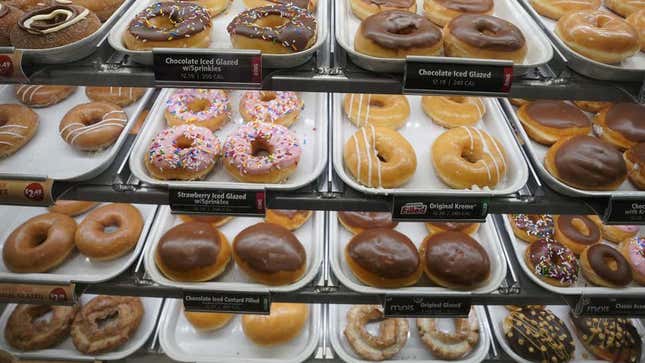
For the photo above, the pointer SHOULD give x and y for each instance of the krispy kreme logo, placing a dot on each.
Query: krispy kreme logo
(417, 208)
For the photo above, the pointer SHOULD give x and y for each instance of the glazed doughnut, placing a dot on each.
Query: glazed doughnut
(72, 208)
(454, 260)
(625, 8)
(605, 266)
(184, 152)
(103, 9)
(633, 249)
(260, 152)
(290, 219)
(532, 227)
(26, 329)
(446, 345)
(303, 4)
(436, 227)
(586, 162)
(383, 257)
(214, 7)
(465, 157)
(285, 322)
(109, 231)
(548, 121)
(270, 254)
(120, 96)
(54, 26)
(92, 126)
(278, 29)
(106, 323)
(207, 322)
(635, 162)
(453, 111)
(357, 222)
(366, 8)
(169, 25)
(555, 9)
(42, 96)
(213, 220)
(518, 102)
(397, 34)
(379, 157)
(9, 17)
(614, 233)
(592, 106)
(576, 232)
(25, 250)
(390, 111)
(484, 36)
(282, 108)
(209, 108)
(441, 12)
(192, 251)
(18, 124)
(552, 262)
(610, 339)
(621, 124)
(637, 20)
(598, 35)
(391, 338)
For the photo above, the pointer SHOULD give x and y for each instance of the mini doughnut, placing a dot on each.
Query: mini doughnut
(214, 7)
(391, 338)
(637, 20)
(72, 208)
(621, 124)
(120, 96)
(282, 108)
(576, 232)
(552, 262)
(592, 106)
(42, 96)
(532, 227)
(303, 4)
(284, 323)
(555, 9)
(209, 108)
(103, 8)
(603, 265)
(453, 111)
(214, 220)
(365, 8)
(441, 12)
(9, 17)
(357, 222)
(390, 111)
(290, 219)
(92, 126)
(438, 227)
(18, 124)
(547, 121)
(447, 345)
(207, 322)
(635, 162)
(633, 249)
(26, 329)
(624, 8)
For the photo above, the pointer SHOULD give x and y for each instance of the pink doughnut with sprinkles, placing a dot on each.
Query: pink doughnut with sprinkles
(208, 108)
(282, 108)
(260, 152)
(184, 152)
(633, 250)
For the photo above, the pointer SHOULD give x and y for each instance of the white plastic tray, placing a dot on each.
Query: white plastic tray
(77, 268)
(416, 231)
(233, 279)
(46, 155)
(414, 349)
(311, 130)
(421, 132)
(181, 342)
(67, 351)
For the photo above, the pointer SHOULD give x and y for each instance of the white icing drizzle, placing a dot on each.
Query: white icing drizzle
(66, 2)
(15, 134)
(84, 129)
(367, 112)
(6, 143)
(351, 105)
(358, 113)
(369, 157)
(486, 151)
(26, 92)
(378, 161)
(11, 133)
(69, 20)
(472, 148)
(358, 157)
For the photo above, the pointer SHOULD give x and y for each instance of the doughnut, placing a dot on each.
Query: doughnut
(25, 5)
(448, 345)
(598, 35)
(624, 8)
(184, 152)
(465, 157)
(72, 208)
(290, 219)
(609, 339)
(28, 330)
(9, 17)
(209, 108)
(454, 260)
(282, 108)
(260, 152)
(192, 251)
(18, 124)
(106, 323)
(207, 322)
(519, 101)
(278, 29)
(42, 96)
(390, 111)
(633, 249)
(379, 157)
(484, 36)
(391, 338)
(585, 162)
(621, 124)
(366, 8)
(270, 254)
(103, 8)
(92, 126)
(214, 7)
(39, 244)
(438, 227)
(284, 323)
(109, 231)
(552, 262)
(532, 227)
(441, 12)
(547, 121)
(453, 111)
(555, 9)
(592, 106)
(303, 4)
(635, 163)
(603, 265)
(213, 220)
(383, 257)
(520, 307)
(637, 20)
(615, 233)
(576, 232)
(54, 26)
(169, 25)
(120, 96)
(357, 222)
(397, 34)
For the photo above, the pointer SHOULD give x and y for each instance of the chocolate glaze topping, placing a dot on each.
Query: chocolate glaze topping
(590, 162)
(269, 248)
(384, 252)
(617, 336)
(467, 6)
(367, 220)
(487, 32)
(565, 225)
(598, 255)
(189, 245)
(303, 4)
(557, 114)
(452, 226)
(398, 29)
(637, 153)
(392, 3)
(627, 119)
(188, 18)
(457, 258)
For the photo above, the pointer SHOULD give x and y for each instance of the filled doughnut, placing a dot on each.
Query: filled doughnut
(547, 121)
(624, 8)
(603, 265)
(303, 4)
(453, 111)
(592, 106)
(214, 7)
(214, 220)
(282, 108)
(609, 339)
(637, 20)
(290, 219)
(532, 227)
(555, 9)
(28, 328)
(438, 227)
(365, 8)
(103, 8)
(357, 222)
(390, 111)
(9, 17)
(42, 96)
(72, 208)
(18, 124)
(576, 232)
(621, 124)
(209, 108)
(93, 126)
(208, 322)
(552, 262)
(120, 96)
(635, 163)
(633, 249)
(447, 345)
(441, 12)
(284, 323)
(391, 338)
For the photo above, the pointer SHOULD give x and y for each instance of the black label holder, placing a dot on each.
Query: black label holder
(609, 306)
(234, 302)
(440, 209)
(232, 202)
(414, 306)
(625, 210)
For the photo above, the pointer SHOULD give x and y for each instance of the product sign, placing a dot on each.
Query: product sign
(37, 294)
(625, 211)
(230, 202)
(228, 302)
(422, 306)
(610, 306)
(440, 209)
(26, 192)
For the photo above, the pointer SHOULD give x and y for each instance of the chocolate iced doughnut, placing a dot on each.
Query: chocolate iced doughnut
(605, 266)
(552, 262)
(610, 339)
(557, 114)
(437, 227)
(576, 232)
(356, 222)
(635, 161)
(467, 6)
(365, 8)
(188, 19)
(621, 124)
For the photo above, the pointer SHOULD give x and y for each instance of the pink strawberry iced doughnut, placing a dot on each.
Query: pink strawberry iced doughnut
(260, 152)
(634, 251)
(208, 108)
(282, 108)
(184, 152)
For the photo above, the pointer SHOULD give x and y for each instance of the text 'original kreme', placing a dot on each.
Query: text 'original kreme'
(455, 73)
(452, 206)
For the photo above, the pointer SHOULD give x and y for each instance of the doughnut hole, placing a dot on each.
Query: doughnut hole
(42, 314)
(261, 148)
(580, 226)
(162, 23)
(199, 105)
(107, 319)
(376, 103)
(610, 262)
(183, 142)
(267, 96)
(457, 99)
(470, 156)
(403, 30)
(40, 235)
(271, 21)
(111, 225)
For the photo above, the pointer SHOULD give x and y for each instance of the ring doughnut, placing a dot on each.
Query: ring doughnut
(72, 208)
(282, 108)
(576, 232)
(555, 9)
(621, 124)
(18, 124)
(635, 162)
(605, 266)
(624, 8)
(453, 111)
(637, 20)
(42, 96)
(441, 12)
(392, 336)
(365, 8)
(552, 262)
(518, 102)
(390, 111)
(532, 227)
(592, 106)
(209, 108)
(547, 121)
(26, 330)
(633, 249)
(615, 233)
(303, 4)
(93, 126)
(446, 345)
(120, 96)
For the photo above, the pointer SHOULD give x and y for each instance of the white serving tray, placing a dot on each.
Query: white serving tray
(181, 342)
(234, 279)
(311, 130)
(414, 349)
(421, 132)
(416, 231)
(581, 355)
(67, 351)
(220, 40)
(77, 268)
(46, 155)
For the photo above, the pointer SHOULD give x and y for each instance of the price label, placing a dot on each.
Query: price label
(37, 294)
(230, 202)
(418, 306)
(610, 306)
(11, 66)
(625, 211)
(228, 302)
(441, 209)
(26, 192)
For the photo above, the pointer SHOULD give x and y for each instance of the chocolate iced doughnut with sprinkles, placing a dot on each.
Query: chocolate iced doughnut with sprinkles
(552, 262)
(304, 4)
(93, 126)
